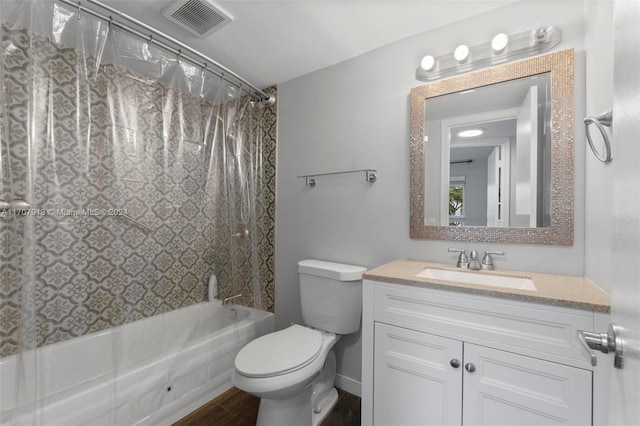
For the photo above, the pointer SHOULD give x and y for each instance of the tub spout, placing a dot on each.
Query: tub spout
(230, 298)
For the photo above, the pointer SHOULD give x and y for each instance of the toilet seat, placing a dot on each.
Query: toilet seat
(279, 353)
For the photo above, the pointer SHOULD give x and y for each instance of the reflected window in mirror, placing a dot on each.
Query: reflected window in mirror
(456, 201)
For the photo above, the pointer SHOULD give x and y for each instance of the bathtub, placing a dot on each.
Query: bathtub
(148, 372)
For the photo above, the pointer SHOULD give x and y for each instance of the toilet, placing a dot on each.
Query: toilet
(293, 370)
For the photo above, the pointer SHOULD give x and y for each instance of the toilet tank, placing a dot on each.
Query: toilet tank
(331, 295)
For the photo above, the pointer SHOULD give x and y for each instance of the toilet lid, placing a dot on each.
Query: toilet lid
(280, 352)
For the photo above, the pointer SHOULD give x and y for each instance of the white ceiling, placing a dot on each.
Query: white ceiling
(271, 41)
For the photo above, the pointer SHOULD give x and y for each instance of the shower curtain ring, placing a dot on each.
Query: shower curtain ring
(150, 42)
(179, 55)
(79, 10)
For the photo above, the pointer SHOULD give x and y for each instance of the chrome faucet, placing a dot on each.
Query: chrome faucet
(463, 260)
(230, 298)
(487, 262)
(474, 263)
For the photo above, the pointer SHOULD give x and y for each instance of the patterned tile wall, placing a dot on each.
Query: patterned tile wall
(118, 140)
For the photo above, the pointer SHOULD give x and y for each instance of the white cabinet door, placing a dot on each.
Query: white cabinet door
(510, 389)
(414, 380)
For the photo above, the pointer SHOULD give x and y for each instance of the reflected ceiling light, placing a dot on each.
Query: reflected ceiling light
(461, 53)
(427, 63)
(494, 52)
(470, 133)
(499, 42)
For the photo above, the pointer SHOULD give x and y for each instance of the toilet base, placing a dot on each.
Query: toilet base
(324, 395)
(297, 410)
(327, 401)
(292, 411)
(309, 407)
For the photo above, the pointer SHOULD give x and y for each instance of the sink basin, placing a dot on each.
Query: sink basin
(516, 283)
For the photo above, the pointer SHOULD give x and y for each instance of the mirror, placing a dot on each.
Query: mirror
(492, 154)
(495, 155)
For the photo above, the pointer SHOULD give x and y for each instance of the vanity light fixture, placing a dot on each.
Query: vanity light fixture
(470, 133)
(501, 49)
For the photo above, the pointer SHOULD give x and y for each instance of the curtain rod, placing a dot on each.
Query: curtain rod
(224, 72)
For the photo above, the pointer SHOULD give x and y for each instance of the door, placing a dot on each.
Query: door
(416, 379)
(498, 183)
(493, 192)
(503, 388)
(625, 288)
(527, 161)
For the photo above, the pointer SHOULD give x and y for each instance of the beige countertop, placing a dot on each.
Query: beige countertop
(559, 290)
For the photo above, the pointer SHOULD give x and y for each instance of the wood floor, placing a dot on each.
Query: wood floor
(237, 408)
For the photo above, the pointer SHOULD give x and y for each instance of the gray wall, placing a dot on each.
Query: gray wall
(356, 115)
(598, 213)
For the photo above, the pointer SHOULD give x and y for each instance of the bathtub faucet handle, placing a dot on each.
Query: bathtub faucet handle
(230, 298)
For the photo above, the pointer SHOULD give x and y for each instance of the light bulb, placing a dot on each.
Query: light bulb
(499, 42)
(427, 63)
(461, 53)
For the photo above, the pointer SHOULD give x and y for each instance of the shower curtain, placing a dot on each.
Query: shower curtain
(143, 175)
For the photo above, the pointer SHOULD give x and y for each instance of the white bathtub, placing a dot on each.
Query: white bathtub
(148, 372)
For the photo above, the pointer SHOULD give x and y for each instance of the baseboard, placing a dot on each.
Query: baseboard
(347, 384)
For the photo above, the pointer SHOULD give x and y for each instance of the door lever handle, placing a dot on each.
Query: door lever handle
(603, 342)
(591, 341)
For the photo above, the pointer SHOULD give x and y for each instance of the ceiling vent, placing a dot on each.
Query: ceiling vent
(199, 17)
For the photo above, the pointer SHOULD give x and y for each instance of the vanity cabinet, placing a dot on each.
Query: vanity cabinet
(424, 379)
(434, 357)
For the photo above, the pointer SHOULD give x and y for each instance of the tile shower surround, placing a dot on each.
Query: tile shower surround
(97, 272)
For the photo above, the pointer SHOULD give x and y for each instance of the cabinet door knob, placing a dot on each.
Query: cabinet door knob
(455, 363)
(470, 367)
